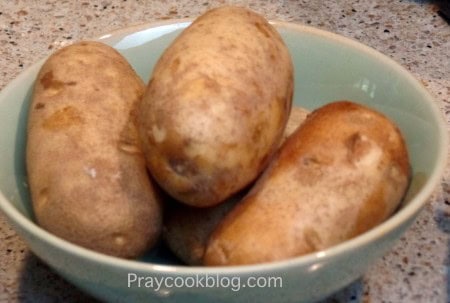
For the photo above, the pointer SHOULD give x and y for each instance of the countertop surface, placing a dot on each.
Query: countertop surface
(413, 33)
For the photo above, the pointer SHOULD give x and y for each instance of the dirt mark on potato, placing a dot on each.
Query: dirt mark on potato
(53, 86)
(63, 118)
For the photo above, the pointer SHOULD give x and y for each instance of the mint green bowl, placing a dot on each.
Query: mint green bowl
(328, 67)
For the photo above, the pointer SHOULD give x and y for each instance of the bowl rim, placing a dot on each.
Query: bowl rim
(396, 220)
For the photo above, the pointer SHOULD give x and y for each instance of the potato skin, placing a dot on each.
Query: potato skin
(187, 229)
(86, 169)
(342, 172)
(216, 106)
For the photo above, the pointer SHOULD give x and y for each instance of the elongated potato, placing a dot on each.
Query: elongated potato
(216, 106)
(187, 229)
(86, 170)
(342, 172)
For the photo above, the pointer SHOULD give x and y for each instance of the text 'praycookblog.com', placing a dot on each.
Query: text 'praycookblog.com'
(202, 281)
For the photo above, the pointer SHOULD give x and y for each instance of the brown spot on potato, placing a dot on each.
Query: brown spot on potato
(47, 80)
(258, 89)
(63, 118)
(314, 167)
(262, 29)
(258, 131)
(229, 46)
(310, 160)
(53, 86)
(357, 146)
(312, 239)
(175, 65)
(212, 84)
(39, 105)
(182, 166)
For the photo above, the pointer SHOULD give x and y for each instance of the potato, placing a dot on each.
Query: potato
(187, 229)
(86, 169)
(342, 172)
(216, 106)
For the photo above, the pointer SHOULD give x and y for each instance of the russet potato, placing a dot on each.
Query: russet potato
(216, 106)
(86, 170)
(186, 229)
(342, 172)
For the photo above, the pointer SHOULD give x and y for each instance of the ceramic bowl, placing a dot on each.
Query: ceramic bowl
(327, 67)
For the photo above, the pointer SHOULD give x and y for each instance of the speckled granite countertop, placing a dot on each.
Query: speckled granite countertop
(411, 32)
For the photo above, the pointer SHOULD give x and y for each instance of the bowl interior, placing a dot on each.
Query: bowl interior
(327, 68)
